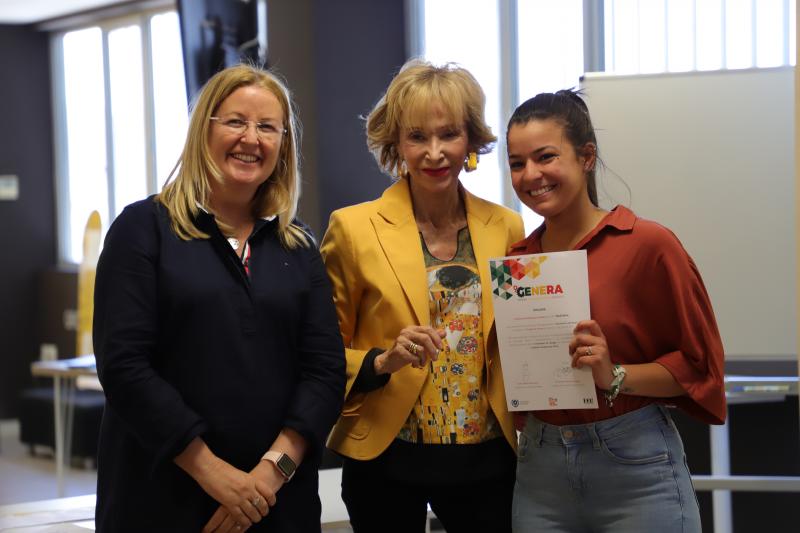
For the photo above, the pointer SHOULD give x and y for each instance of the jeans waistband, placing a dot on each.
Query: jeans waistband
(567, 435)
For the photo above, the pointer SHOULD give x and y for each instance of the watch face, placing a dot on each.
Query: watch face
(286, 465)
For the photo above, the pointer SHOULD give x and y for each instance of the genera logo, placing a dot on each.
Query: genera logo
(505, 272)
(540, 290)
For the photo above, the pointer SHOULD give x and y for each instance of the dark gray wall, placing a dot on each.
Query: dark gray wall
(290, 53)
(360, 46)
(28, 235)
(338, 58)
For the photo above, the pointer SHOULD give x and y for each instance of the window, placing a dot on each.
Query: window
(643, 36)
(120, 117)
(519, 48)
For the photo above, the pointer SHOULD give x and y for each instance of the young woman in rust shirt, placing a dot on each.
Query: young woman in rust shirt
(651, 341)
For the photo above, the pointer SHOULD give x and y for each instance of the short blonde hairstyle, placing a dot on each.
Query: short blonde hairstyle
(417, 87)
(188, 185)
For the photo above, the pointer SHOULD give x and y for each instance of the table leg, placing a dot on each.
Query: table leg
(69, 410)
(59, 435)
(721, 466)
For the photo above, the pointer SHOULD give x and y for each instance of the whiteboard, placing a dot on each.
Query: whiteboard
(710, 155)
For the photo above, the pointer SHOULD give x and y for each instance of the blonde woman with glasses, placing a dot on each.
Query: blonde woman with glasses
(216, 338)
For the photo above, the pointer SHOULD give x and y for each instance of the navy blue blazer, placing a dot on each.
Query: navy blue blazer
(187, 344)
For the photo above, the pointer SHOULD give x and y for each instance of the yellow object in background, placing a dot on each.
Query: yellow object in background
(86, 274)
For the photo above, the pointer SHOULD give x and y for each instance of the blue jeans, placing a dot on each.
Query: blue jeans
(624, 474)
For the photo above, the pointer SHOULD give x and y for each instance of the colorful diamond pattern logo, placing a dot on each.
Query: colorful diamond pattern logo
(504, 272)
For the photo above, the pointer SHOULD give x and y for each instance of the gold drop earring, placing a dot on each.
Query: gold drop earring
(471, 162)
(402, 169)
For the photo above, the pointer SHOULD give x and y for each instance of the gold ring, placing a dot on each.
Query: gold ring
(588, 350)
(413, 348)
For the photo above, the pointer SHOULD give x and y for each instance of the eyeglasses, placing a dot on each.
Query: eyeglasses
(264, 130)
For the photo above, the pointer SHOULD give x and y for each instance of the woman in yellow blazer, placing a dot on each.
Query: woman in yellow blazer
(425, 420)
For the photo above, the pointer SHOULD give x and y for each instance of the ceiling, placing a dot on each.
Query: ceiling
(29, 11)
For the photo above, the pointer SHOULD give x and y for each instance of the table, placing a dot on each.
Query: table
(63, 515)
(741, 389)
(65, 373)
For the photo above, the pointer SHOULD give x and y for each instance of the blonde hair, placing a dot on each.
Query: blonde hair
(408, 100)
(188, 186)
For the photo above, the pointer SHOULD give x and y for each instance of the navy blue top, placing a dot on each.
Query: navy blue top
(187, 344)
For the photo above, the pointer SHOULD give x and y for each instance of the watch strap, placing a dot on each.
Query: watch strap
(616, 384)
(285, 465)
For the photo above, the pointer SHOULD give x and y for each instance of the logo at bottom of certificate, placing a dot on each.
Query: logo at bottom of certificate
(514, 403)
(552, 402)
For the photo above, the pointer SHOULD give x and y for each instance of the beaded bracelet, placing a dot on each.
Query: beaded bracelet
(616, 384)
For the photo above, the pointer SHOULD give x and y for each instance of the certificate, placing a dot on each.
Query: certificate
(538, 299)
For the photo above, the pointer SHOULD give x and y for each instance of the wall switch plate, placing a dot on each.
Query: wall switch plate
(70, 319)
(9, 187)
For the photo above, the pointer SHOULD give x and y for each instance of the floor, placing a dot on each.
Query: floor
(25, 478)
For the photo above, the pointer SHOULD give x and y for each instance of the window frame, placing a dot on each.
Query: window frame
(750, 60)
(106, 22)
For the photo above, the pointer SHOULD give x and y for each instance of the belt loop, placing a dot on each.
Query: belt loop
(538, 430)
(665, 414)
(595, 437)
(539, 434)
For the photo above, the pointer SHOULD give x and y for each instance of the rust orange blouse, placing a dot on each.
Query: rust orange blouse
(647, 295)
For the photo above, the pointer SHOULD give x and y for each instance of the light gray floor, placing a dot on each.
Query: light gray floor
(24, 478)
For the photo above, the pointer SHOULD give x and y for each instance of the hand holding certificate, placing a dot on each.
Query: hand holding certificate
(538, 299)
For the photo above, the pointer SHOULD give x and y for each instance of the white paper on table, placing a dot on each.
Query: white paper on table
(538, 299)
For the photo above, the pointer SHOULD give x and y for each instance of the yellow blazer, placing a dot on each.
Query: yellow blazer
(373, 255)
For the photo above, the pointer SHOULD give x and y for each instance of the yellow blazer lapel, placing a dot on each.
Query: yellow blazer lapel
(399, 238)
(489, 236)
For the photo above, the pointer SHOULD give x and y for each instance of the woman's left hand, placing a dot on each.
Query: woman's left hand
(589, 348)
(268, 480)
(222, 521)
